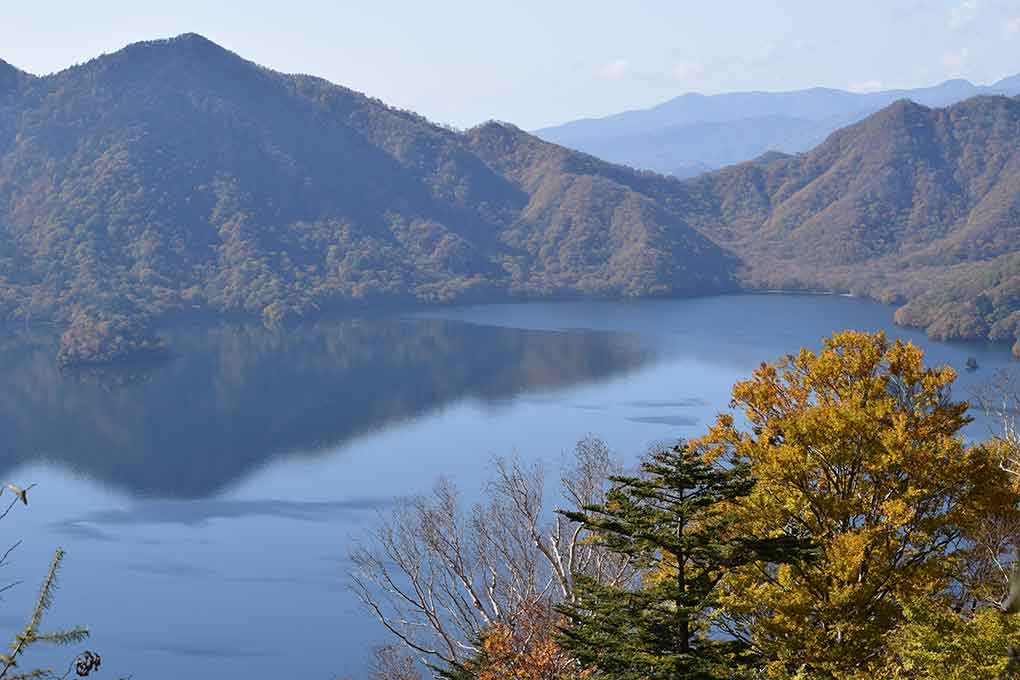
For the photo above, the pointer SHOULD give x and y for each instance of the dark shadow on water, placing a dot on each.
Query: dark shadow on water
(218, 650)
(693, 402)
(676, 421)
(174, 570)
(239, 395)
(198, 512)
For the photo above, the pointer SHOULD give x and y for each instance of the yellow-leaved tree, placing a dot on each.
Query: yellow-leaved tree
(857, 448)
(936, 642)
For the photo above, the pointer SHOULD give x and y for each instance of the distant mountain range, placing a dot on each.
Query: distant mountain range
(175, 177)
(694, 133)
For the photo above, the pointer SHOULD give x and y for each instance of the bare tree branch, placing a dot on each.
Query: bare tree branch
(438, 578)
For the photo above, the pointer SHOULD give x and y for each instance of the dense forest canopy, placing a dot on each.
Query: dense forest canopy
(913, 205)
(175, 177)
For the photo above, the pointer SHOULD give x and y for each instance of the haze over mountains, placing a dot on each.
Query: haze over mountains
(176, 177)
(694, 133)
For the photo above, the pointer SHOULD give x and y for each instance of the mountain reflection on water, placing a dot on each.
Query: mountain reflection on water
(240, 395)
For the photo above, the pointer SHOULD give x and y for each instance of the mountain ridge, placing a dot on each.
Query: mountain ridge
(728, 128)
(176, 177)
(11, 78)
(914, 205)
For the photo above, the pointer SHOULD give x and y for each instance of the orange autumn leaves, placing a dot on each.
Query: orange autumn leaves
(526, 650)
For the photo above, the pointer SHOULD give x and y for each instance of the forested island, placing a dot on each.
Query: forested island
(95, 340)
(174, 177)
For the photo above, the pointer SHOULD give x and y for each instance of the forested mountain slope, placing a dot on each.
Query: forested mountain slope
(911, 205)
(174, 175)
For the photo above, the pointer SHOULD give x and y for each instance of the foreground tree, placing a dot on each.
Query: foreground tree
(858, 450)
(392, 662)
(999, 396)
(678, 523)
(526, 650)
(455, 586)
(31, 634)
(936, 642)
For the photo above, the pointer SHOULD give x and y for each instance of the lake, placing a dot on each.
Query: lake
(207, 505)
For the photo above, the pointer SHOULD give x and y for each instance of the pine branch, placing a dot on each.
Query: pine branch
(31, 635)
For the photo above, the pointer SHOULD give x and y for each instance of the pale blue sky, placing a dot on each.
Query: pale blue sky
(540, 62)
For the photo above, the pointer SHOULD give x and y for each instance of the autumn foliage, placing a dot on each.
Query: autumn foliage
(858, 449)
(837, 526)
(525, 651)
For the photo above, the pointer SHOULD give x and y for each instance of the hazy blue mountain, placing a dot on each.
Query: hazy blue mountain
(708, 146)
(695, 130)
(1008, 86)
(690, 170)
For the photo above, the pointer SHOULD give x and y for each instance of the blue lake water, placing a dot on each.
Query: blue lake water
(207, 505)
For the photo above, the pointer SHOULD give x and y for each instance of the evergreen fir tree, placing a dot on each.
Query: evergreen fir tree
(677, 521)
(31, 634)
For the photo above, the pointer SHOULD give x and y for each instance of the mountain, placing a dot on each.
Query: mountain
(174, 176)
(912, 205)
(689, 149)
(690, 170)
(12, 79)
(724, 129)
(1008, 86)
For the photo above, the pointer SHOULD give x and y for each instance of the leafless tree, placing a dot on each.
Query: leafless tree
(437, 578)
(991, 569)
(393, 663)
(1000, 397)
(989, 561)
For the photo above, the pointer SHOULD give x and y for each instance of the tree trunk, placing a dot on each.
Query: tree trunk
(681, 584)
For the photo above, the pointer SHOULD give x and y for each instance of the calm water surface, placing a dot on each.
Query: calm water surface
(206, 506)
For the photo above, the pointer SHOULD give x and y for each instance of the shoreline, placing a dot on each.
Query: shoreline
(51, 330)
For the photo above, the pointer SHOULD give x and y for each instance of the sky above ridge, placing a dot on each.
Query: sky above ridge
(543, 62)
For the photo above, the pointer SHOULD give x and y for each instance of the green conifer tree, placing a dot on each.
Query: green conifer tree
(677, 521)
(31, 634)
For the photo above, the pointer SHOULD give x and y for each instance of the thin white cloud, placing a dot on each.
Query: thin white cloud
(687, 69)
(767, 52)
(1011, 28)
(615, 70)
(867, 86)
(956, 62)
(963, 15)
